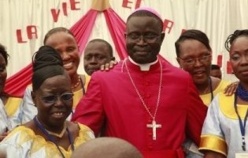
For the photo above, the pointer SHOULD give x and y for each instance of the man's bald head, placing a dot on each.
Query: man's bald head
(106, 147)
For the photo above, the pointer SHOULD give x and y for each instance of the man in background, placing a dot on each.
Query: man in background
(97, 53)
(215, 71)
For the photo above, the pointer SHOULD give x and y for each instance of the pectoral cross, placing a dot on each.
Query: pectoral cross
(154, 127)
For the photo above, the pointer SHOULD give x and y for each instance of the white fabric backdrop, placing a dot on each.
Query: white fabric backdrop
(217, 18)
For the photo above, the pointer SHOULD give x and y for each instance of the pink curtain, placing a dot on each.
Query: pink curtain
(116, 28)
(83, 28)
(16, 84)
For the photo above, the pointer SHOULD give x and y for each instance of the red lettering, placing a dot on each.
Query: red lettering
(137, 5)
(32, 32)
(73, 5)
(125, 4)
(64, 7)
(168, 24)
(219, 60)
(55, 14)
(229, 69)
(19, 36)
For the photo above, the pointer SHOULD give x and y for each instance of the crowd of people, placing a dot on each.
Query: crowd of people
(143, 106)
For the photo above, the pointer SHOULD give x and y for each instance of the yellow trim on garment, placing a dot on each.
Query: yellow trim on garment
(206, 98)
(76, 97)
(12, 105)
(226, 104)
(38, 142)
(214, 143)
(79, 93)
(87, 80)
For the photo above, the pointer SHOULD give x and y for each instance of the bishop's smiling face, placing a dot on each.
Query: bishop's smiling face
(65, 44)
(143, 38)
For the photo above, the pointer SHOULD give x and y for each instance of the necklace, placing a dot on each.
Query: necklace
(77, 84)
(210, 88)
(210, 85)
(242, 92)
(51, 138)
(80, 81)
(60, 135)
(242, 124)
(153, 125)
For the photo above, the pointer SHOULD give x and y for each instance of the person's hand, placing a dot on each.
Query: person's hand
(231, 88)
(108, 66)
(3, 135)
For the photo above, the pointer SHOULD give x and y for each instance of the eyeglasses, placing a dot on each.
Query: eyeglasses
(191, 61)
(147, 36)
(51, 99)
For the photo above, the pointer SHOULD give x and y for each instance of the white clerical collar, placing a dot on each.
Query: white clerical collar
(143, 67)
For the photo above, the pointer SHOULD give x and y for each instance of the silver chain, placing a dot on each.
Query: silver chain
(138, 93)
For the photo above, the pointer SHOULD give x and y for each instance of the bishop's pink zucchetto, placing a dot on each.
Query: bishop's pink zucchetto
(149, 9)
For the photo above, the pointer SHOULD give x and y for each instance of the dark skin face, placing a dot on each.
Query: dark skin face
(216, 73)
(194, 50)
(3, 73)
(239, 59)
(53, 116)
(96, 54)
(143, 38)
(67, 47)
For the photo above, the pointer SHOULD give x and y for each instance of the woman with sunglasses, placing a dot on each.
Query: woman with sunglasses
(64, 42)
(48, 134)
